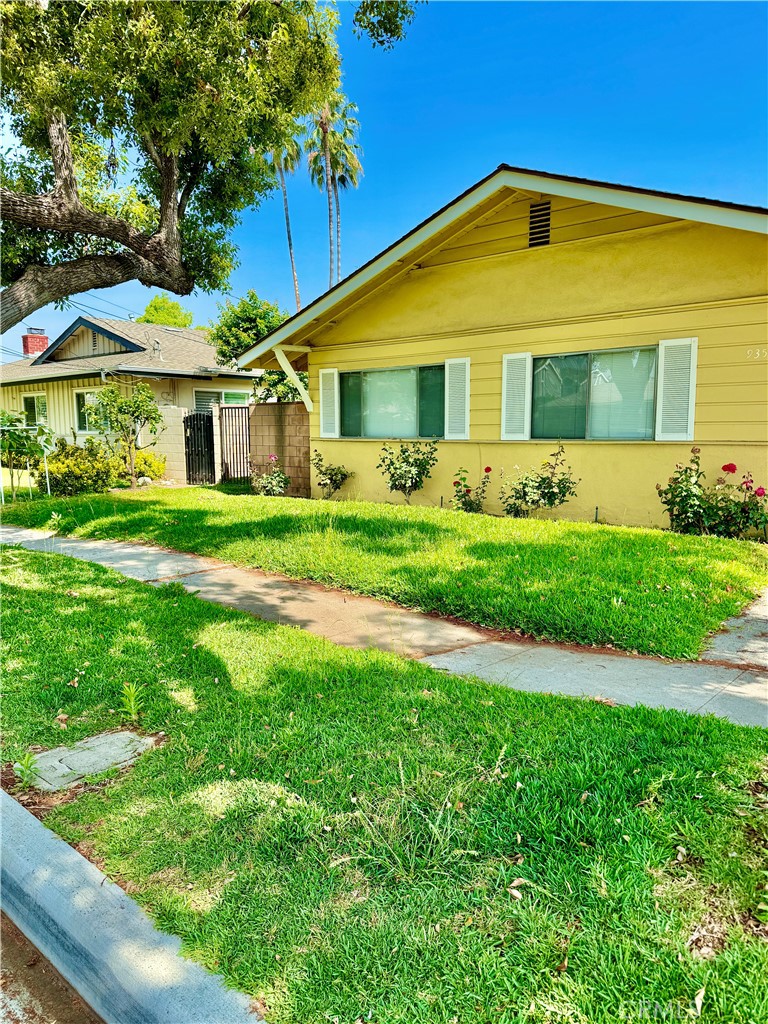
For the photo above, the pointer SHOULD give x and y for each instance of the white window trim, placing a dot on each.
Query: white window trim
(220, 392)
(385, 369)
(604, 351)
(662, 350)
(464, 434)
(83, 391)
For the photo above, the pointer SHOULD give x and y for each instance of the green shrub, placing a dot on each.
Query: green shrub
(273, 481)
(549, 487)
(329, 478)
(147, 464)
(727, 509)
(407, 469)
(466, 498)
(75, 469)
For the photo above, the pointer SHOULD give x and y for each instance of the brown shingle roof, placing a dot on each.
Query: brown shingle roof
(181, 352)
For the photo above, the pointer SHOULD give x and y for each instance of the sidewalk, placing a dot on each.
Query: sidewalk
(722, 686)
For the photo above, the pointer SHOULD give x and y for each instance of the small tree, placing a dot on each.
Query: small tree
(165, 311)
(243, 324)
(124, 417)
(21, 447)
(407, 469)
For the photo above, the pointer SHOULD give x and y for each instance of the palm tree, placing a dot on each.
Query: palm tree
(320, 168)
(285, 161)
(334, 164)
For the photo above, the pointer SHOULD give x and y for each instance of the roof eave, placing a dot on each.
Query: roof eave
(744, 218)
(83, 321)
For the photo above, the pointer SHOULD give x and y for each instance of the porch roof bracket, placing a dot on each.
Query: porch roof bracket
(292, 376)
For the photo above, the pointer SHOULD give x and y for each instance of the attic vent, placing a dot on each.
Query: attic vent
(538, 223)
(94, 341)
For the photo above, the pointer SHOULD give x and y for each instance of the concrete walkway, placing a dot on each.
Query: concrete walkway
(719, 685)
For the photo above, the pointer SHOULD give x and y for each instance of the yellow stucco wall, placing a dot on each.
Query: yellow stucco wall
(619, 284)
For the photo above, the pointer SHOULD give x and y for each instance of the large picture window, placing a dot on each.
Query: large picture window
(404, 403)
(599, 395)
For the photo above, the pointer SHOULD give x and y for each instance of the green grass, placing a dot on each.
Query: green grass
(639, 590)
(337, 831)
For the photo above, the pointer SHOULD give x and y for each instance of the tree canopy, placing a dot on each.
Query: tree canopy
(242, 324)
(162, 309)
(144, 130)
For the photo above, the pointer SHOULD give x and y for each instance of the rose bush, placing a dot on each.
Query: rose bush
(726, 509)
(466, 498)
(549, 487)
(272, 481)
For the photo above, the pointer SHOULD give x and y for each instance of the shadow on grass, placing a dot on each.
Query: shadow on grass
(638, 590)
(317, 812)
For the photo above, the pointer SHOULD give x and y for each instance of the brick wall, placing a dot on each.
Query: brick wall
(171, 443)
(282, 428)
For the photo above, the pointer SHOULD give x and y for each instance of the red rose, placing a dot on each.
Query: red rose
(455, 483)
(487, 469)
(468, 490)
(729, 467)
(760, 492)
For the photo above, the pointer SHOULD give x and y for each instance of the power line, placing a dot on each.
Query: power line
(100, 298)
(11, 352)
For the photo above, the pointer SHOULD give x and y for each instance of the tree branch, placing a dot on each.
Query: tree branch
(39, 285)
(63, 161)
(189, 186)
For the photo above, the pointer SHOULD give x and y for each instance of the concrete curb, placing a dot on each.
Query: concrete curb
(98, 939)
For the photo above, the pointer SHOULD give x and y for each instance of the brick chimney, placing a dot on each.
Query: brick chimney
(34, 343)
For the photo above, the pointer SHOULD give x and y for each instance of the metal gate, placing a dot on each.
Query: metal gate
(198, 447)
(235, 442)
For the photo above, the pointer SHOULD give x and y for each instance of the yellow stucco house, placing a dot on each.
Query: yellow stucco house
(627, 322)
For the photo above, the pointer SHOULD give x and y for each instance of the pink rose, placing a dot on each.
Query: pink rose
(760, 492)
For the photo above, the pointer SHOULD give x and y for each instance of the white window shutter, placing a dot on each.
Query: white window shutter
(456, 399)
(516, 389)
(676, 389)
(330, 416)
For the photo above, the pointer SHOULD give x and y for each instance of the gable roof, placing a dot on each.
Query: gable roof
(670, 204)
(150, 350)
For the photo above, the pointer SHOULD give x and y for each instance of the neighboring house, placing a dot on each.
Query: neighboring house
(53, 384)
(628, 323)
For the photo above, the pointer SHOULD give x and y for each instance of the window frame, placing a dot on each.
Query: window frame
(84, 391)
(393, 437)
(589, 353)
(35, 395)
(221, 392)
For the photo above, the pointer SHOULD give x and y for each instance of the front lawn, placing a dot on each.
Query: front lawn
(641, 590)
(349, 836)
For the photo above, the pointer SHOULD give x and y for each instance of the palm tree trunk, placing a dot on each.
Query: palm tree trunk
(281, 176)
(338, 227)
(329, 191)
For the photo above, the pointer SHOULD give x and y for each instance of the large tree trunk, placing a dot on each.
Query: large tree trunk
(338, 227)
(281, 176)
(154, 259)
(38, 285)
(324, 125)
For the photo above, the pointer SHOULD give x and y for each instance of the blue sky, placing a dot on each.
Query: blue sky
(660, 95)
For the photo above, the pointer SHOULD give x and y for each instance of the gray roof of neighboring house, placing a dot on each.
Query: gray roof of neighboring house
(181, 353)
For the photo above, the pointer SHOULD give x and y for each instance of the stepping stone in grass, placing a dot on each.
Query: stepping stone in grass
(64, 767)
